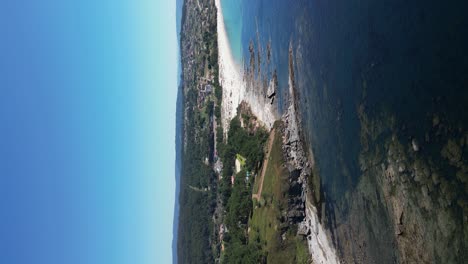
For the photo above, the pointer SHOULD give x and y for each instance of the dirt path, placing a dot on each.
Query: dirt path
(271, 139)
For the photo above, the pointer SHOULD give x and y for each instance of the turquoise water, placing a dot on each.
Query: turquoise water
(232, 12)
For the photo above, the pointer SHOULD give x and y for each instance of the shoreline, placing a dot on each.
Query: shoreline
(300, 156)
(235, 91)
(229, 74)
(234, 86)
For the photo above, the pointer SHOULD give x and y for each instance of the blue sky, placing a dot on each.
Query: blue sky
(87, 121)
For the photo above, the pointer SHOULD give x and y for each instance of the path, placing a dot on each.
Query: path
(271, 139)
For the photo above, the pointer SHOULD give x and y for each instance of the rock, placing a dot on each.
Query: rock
(424, 200)
(401, 167)
(462, 175)
(421, 172)
(435, 120)
(302, 229)
(452, 152)
(271, 91)
(446, 223)
(424, 191)
(415, 145)
(399, 230)
(435, 178)
(383, 167)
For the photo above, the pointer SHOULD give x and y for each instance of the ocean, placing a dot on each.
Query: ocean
(232, 12)
(407, 55)
(369, 74)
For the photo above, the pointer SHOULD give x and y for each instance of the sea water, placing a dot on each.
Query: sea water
(407, 55)
(232, 13)
(402, 59)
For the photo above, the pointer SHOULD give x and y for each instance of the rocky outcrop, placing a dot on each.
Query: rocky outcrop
(272, 87)
(304, 202)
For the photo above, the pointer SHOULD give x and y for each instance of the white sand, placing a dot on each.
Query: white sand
(319, 244)
(234, 87)
(320, 247)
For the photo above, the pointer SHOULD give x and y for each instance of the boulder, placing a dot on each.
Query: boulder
(415, 145)
(271, 91)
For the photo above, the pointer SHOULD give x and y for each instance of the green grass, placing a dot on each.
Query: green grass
(241, 159)
(265, 224)
(256, 183)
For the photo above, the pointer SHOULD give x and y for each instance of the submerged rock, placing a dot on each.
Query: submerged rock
(415, 145)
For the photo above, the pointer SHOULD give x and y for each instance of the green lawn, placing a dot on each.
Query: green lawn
(265, 224)
(241, 159)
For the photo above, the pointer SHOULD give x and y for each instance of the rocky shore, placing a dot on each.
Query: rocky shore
(304, 207)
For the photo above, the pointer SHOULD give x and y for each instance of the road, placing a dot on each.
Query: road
(271, 139)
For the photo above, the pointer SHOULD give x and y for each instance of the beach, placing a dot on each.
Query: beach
(234, 86)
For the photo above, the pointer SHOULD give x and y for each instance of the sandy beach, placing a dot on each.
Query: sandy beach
(234, 87)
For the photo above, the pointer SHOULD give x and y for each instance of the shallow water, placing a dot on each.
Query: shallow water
(232, 13)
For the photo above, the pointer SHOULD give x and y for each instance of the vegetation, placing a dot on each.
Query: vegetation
(239, 208)
(231, 204)
(248, 145)
(266, 225)
(255, 229)
(199, 59)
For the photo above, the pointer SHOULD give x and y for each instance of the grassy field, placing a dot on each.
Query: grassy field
(265, 224)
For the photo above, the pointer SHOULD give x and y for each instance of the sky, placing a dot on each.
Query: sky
(87, 130)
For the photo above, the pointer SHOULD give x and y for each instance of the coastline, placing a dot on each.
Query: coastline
(235, 91)
(234, 85)
(301, 158)
(378, 178)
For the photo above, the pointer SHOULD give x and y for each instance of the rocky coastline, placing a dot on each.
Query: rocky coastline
(304, 208)
(409, 201)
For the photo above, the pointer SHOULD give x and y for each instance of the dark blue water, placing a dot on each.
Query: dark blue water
(407, 58)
